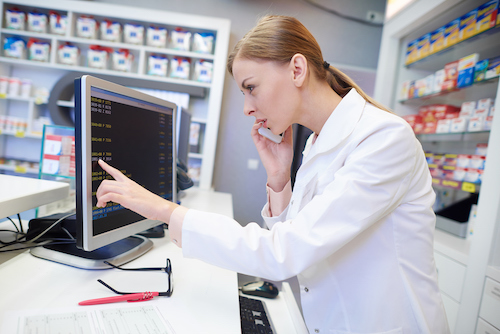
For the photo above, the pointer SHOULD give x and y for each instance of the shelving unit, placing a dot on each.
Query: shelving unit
(206, 97)
(464, 265)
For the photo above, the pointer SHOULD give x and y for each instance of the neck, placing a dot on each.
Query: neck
(319, 101)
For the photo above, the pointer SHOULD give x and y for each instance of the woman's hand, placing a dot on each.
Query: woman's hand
(276, 158)
(132, 196)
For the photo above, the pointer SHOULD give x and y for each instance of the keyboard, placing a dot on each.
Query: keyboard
(253, 316)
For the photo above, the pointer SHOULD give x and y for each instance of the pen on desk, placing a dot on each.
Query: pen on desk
(132, 297)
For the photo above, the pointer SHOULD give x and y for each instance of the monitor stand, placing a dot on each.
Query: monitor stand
(117, 253)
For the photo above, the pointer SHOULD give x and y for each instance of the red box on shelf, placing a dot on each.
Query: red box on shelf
(450, 76)
(427, 113)
(442, 110)
(430, 127)
(412, 119)
(419, 127)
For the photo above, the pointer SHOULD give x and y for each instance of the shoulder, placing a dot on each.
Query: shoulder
(381, 120)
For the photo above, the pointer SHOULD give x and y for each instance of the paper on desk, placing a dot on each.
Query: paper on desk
(131, 319)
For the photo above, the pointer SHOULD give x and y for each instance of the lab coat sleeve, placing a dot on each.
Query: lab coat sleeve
(370, 184)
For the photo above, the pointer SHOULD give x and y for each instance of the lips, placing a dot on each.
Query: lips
(263, 122)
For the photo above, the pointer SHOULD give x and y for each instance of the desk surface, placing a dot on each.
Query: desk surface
(18, 194)
(205, 297)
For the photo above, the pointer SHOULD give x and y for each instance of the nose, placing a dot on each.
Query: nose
(248, 108)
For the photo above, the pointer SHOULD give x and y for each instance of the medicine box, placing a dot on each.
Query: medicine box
(488, 122)
(468, 25)
(430, 127)
(450, 75)
(476, 123)
(411, 52)
(423, 46)
(437, 40)
(403, 93)
(442, 111)
(484, 104)
(419, 127)
(411, 90)
(466, 66)
(420, 87)
(468, 108)
(412, 119)
(493, 69)
(443, 126)
(451, 31)
(438, 81)
(486, 16)
(480, 70)
(463, 160)
(458, 124)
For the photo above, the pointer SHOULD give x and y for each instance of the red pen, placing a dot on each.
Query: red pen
(132, 297)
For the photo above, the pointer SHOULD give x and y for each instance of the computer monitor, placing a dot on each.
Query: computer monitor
(135, 133)
(183, 126)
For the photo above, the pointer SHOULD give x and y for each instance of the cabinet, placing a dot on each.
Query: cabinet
(140, 54)
(464, 265)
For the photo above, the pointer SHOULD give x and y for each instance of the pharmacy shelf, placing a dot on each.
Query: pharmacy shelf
(460, 185)
(455, 91)
(208, 95)
(477, 43)
(478, 136)
(481, 252)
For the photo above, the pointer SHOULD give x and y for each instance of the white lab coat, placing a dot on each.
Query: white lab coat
(358, 231)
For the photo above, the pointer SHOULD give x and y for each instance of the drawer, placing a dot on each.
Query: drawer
(451, 276)
(451, 307)
(490, 303)
(485, 328)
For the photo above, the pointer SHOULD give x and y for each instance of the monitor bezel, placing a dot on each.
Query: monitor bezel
(85, 238)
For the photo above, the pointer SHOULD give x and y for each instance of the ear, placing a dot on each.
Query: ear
(298, 64)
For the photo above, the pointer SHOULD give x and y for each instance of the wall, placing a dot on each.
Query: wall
(342, 42)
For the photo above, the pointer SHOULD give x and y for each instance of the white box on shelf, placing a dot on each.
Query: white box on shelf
(476, 123)
(468, 108)
(458, 124)
(443, 126)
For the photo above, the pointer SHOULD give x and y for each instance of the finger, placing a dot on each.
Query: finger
(108, 186)
(110, 197)
(115, 173)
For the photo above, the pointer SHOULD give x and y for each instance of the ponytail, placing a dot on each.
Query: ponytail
(342, 84)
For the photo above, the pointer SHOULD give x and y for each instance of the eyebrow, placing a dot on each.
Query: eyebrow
(243, 82)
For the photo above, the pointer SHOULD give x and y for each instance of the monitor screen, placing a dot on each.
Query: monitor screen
(133, 132)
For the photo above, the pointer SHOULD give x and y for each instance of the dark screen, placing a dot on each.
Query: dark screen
(135, 137)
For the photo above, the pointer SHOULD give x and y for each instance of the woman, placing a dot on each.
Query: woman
(357, 229)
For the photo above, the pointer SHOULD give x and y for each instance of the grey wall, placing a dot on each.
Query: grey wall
(342, 42)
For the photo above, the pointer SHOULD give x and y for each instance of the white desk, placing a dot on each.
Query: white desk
(18, 194)
(205, 297)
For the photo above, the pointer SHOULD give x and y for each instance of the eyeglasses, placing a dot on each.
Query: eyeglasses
(167, 269)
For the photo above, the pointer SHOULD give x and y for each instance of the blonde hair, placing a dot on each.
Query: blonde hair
(278, 38)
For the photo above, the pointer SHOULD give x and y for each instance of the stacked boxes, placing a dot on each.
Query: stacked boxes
(457, 74)
(458, 167)
(468, 25)
(471, 116)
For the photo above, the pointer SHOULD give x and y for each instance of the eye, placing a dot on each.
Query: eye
(250, 88)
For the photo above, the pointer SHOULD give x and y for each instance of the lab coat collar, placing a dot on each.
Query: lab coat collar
(338, 126)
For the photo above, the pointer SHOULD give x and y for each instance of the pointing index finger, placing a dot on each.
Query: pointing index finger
(115, 173)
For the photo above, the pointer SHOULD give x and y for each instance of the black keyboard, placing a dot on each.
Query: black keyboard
(253, 317)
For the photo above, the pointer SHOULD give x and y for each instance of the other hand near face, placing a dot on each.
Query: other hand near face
(132, 196)
(276, 158)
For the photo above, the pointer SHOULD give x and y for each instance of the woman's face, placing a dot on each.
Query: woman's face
(269, 92)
